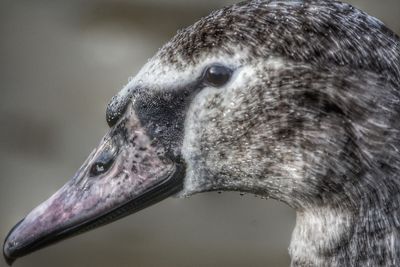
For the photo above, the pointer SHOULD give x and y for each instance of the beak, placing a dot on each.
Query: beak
(127, 172)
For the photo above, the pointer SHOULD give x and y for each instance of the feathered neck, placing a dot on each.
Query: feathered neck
(367, 235)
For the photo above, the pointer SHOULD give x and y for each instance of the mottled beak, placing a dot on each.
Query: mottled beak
(127, 172)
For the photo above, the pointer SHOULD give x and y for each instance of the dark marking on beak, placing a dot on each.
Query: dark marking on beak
(116, 108)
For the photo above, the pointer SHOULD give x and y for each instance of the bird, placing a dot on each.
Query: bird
(298, 101)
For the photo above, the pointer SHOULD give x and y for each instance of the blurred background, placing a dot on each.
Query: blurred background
(60, 63)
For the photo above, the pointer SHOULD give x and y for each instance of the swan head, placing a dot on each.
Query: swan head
(261, 97)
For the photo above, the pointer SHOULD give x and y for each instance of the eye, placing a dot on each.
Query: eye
(103, 163)
(217, 75)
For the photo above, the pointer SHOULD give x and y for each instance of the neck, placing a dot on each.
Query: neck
(368, 235)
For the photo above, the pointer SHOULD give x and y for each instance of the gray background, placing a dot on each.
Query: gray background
(60, 62)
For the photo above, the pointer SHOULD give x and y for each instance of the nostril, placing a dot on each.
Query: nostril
(104, 161)
(102, 165)
(98, 168)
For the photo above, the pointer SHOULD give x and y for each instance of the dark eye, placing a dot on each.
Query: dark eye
(103, 162)
(217, 75)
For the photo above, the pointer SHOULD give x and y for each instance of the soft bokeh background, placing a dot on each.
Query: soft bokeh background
(60, 62)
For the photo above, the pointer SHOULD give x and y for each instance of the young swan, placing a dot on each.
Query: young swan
(294, 100)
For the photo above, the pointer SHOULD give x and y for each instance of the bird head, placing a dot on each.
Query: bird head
(270, 97)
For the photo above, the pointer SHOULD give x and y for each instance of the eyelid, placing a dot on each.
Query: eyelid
(206, 68)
